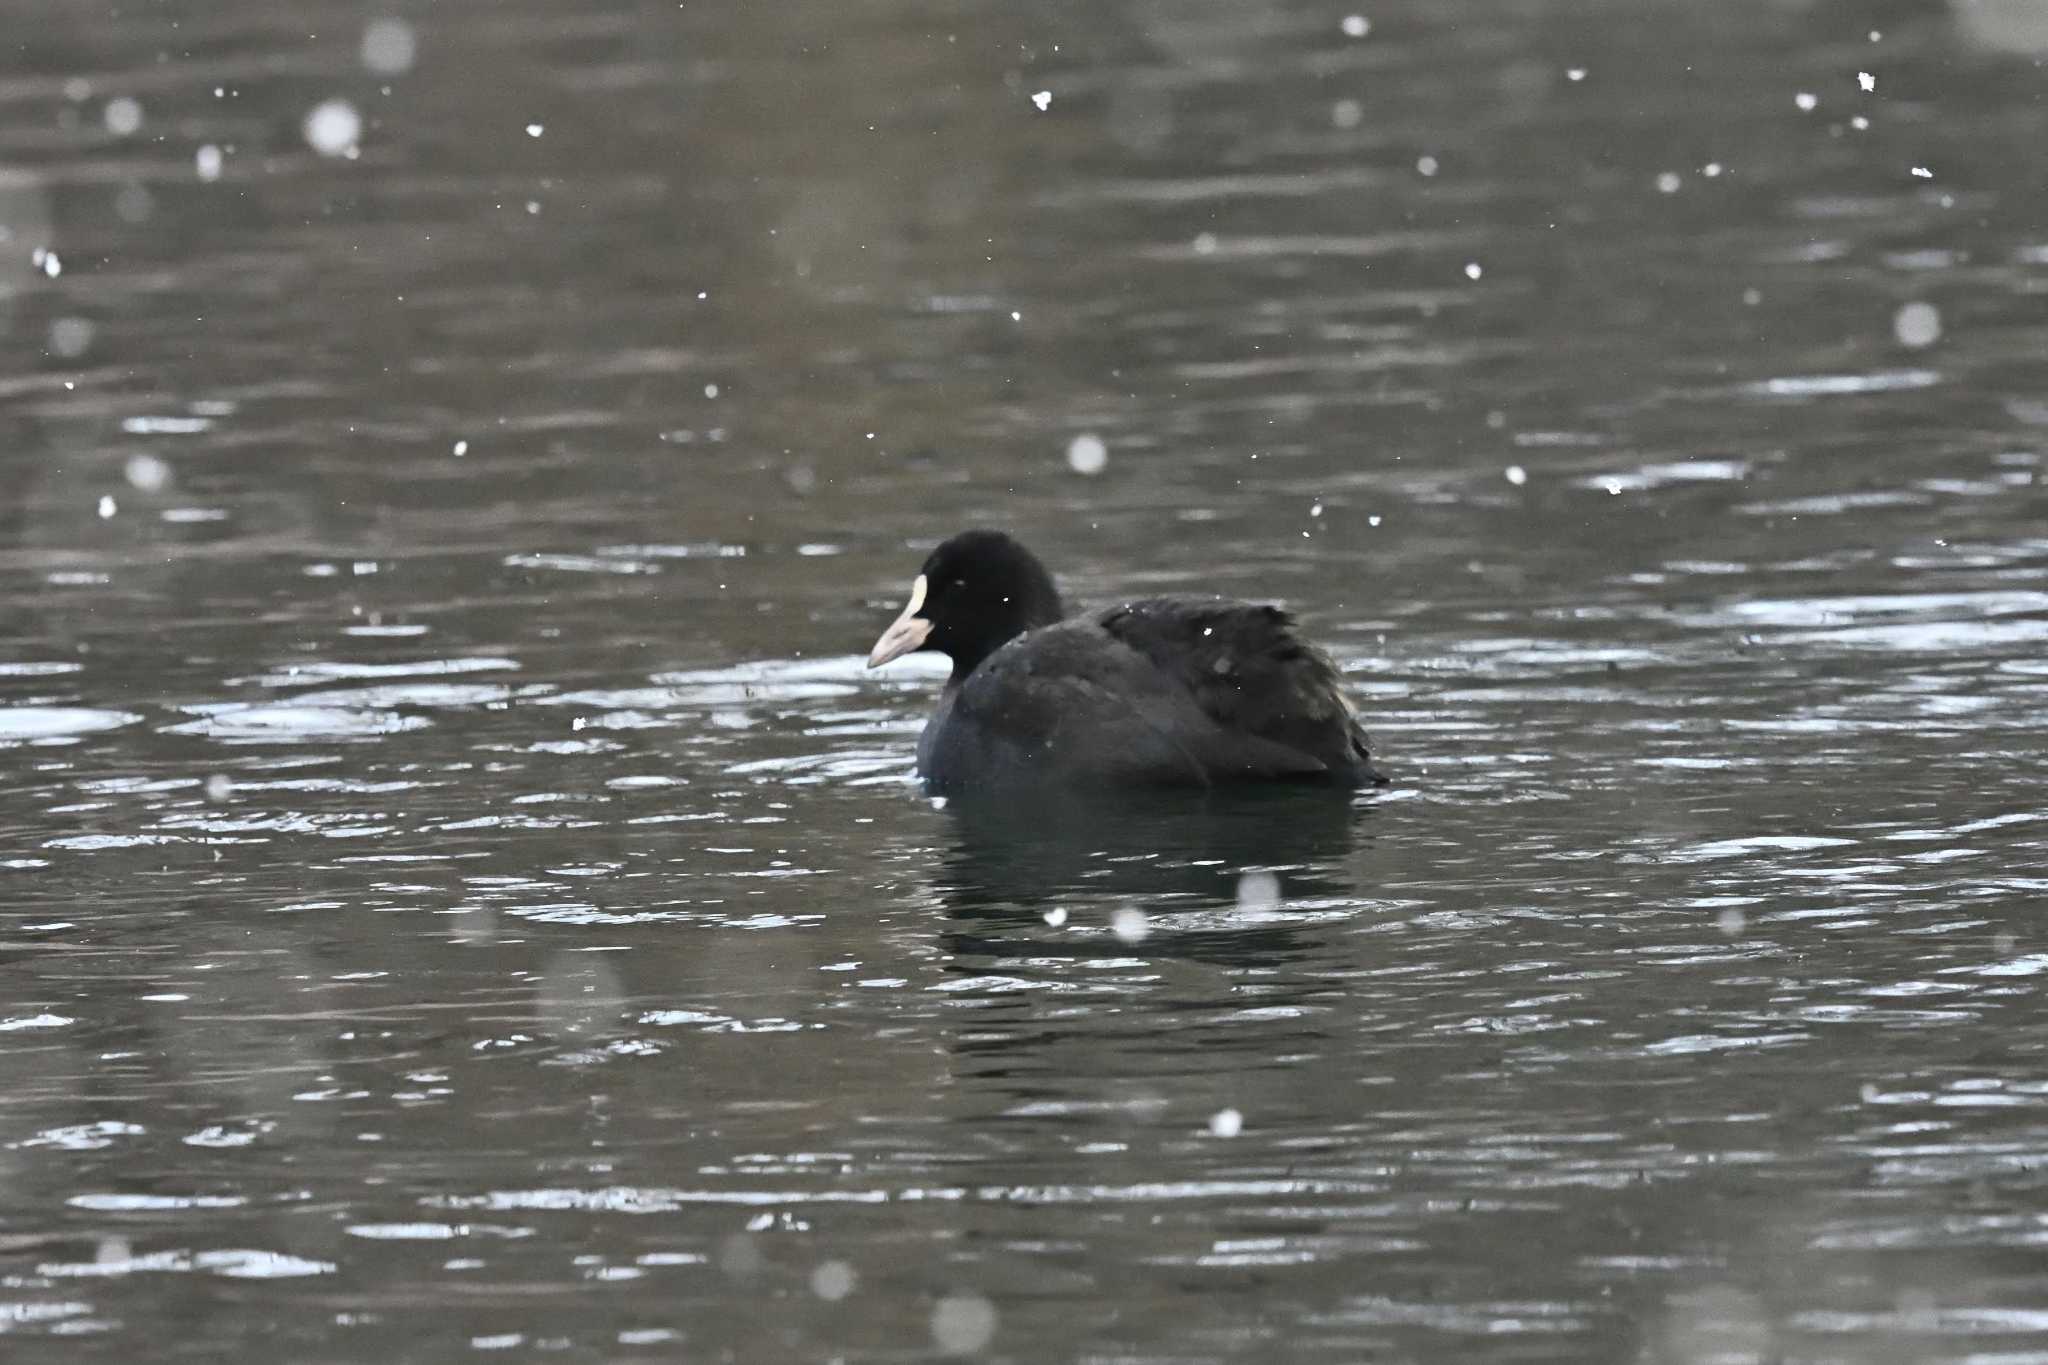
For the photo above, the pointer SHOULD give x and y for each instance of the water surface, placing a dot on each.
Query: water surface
(461, 894)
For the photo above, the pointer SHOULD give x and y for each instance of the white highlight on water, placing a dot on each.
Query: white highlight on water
(123, 116)
(1226, 1123)
(71, 337)
(1130, 925)
(1917, 324)
(146, 473)
(1258, 892)
(833, 1281)
(389, 47)
(963, 1324)
(1087, 454)
(1043, 99)
(333, 128)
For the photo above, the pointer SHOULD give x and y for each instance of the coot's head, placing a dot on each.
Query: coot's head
(975, 593)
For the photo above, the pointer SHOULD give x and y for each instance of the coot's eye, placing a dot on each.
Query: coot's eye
(959, 583)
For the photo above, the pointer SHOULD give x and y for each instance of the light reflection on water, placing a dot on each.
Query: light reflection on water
(465, 894)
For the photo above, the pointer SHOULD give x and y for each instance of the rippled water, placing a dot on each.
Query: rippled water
(462, 893)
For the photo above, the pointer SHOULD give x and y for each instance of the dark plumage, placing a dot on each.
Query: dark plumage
(1168, 691)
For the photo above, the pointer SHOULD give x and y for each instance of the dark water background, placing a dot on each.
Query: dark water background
(460, 894)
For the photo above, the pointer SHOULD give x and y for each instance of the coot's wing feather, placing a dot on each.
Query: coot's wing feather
(1247, 667)
(1073, 704)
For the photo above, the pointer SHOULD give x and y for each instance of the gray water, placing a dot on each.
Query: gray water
(460, 894)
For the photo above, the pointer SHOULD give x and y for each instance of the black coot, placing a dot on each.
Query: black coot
(1163, 691)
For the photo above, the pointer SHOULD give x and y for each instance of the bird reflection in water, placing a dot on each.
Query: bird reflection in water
(1014, 862)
